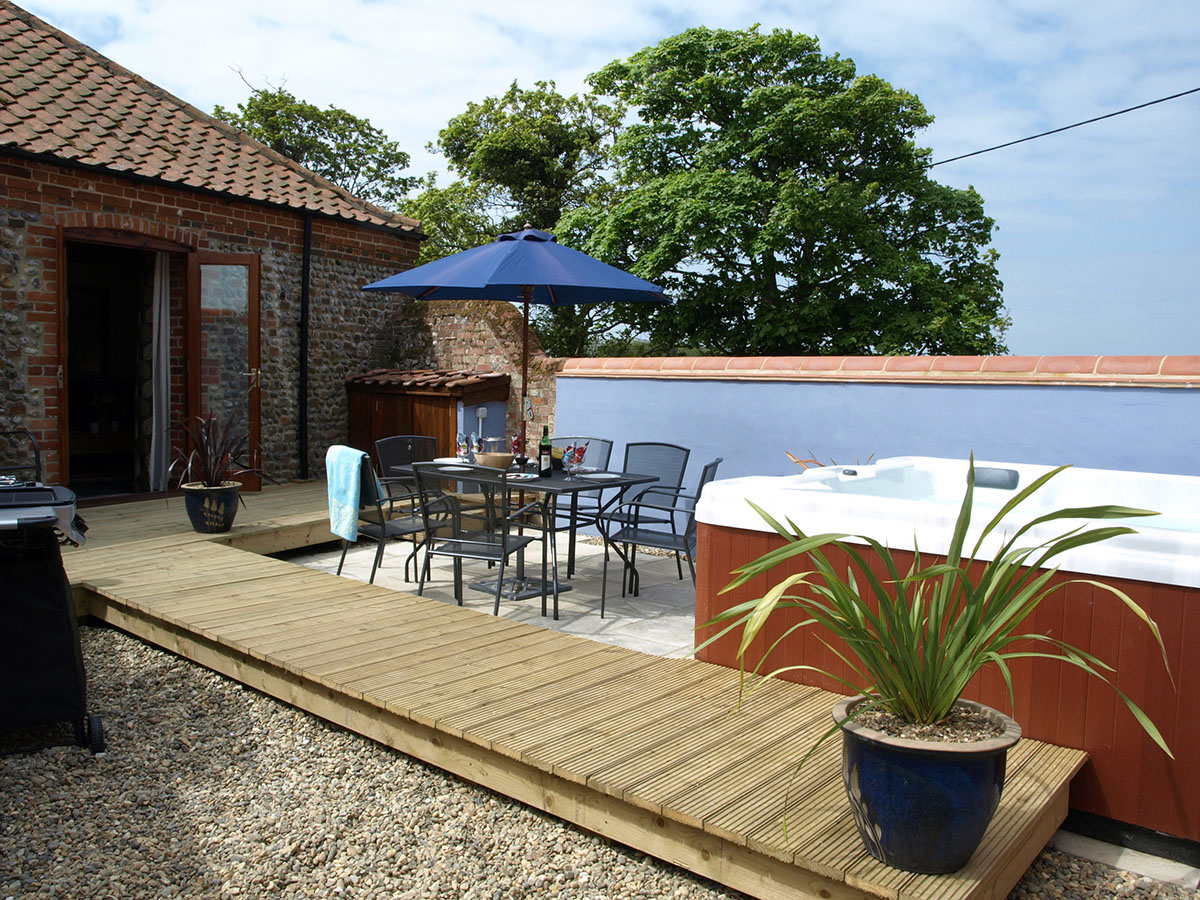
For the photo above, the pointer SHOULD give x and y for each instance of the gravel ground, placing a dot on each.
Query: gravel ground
(211, 790)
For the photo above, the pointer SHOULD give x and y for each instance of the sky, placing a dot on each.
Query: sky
(1098, 227)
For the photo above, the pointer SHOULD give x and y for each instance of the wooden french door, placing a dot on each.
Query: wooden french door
(224, 376)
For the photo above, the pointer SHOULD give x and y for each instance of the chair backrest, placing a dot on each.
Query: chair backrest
(599, 450)
(348, 468)
(442, 509)
(370, 492)
(344, 463)
(706, 475)
(403, 450)
(667, 461)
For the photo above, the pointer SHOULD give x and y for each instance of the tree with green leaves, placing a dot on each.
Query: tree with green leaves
(455, 217)
(537, 152)
(526, 156)
(346, 149)
(782, 200)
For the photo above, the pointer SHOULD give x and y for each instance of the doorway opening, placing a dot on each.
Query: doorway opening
(109, 368)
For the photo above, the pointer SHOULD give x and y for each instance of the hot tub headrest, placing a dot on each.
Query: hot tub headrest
(995, 477)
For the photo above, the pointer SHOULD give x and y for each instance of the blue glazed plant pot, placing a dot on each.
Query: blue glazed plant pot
(922, 806)
(211, 509)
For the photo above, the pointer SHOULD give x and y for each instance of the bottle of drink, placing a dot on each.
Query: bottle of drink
(544, 463)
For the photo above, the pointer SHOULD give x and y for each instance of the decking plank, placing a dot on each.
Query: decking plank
(692, 749)
(648, 751)
(601, 720)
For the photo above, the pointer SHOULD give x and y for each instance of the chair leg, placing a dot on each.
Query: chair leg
(423, 572)
(345, 547)
(624, 570)
(458, 593)
(604, 581)
(692, 567)
(411, 560)
(630, 575)
(678, 564)
(378, 559)
(499, 588)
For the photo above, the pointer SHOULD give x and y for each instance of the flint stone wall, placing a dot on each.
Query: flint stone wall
(350, 331)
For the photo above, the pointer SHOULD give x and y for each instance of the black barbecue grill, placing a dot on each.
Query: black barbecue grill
(42, 680)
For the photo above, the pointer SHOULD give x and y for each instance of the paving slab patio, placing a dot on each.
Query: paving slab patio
(659, 621)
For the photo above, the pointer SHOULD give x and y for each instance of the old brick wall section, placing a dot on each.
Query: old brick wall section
(349, 331)
(474, 334)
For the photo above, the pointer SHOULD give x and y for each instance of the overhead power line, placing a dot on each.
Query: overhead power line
(1034, 137)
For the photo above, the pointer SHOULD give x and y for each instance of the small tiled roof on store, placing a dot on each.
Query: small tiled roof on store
(428, 379)
(61, 98)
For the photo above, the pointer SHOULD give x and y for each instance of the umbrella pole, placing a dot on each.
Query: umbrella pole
(526, 293)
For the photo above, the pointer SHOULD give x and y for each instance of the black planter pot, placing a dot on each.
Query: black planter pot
(211, 509)
(922, 806)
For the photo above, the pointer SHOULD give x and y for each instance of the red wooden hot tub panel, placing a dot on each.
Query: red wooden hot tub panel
(1127, 777)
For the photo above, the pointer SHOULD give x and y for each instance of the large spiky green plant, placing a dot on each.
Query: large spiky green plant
(930, 630)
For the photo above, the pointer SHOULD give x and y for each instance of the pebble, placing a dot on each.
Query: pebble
(209, 789)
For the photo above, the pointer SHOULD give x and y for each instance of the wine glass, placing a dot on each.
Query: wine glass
(573, 459)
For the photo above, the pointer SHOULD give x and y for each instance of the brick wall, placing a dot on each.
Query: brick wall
(469, 334)
(350, 331)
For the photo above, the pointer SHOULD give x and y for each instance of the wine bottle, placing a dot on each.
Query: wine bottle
(544, 464)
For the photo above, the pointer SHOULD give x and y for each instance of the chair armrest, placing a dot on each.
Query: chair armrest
(533, 505)
(631, 510)
(389, 495)
(676, 492)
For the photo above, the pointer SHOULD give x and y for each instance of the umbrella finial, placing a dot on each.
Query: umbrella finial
(528, 227)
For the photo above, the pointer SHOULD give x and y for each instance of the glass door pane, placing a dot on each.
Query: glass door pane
(224, 375)
(224, 339)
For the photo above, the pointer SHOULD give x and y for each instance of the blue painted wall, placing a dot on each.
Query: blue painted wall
(752, 424)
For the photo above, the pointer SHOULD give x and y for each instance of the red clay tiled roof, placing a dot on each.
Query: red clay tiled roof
(427, 379)
(61, 98)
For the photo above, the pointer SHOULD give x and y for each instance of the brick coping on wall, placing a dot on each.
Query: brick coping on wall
(1124, 371)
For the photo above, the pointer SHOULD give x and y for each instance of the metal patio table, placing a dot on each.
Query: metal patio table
(560, 483)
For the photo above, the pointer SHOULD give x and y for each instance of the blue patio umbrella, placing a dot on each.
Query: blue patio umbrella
(528, 266)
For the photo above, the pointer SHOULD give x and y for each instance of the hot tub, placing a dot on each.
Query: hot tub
(912, 501)
(908, 502)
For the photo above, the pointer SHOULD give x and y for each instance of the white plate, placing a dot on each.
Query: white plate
(453, 469)
(600, 476)
(522, 476)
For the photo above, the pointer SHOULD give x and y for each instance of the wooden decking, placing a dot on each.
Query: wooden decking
(646, 751)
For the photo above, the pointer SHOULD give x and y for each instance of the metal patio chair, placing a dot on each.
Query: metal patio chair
(377, 523)
(668, 462)
(652, 506)
(486, 531)
(584, 506)
(402, 450)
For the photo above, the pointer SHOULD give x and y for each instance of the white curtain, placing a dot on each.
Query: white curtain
(160, 440)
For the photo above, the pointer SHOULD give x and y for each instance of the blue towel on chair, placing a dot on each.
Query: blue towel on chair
(342, 469)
